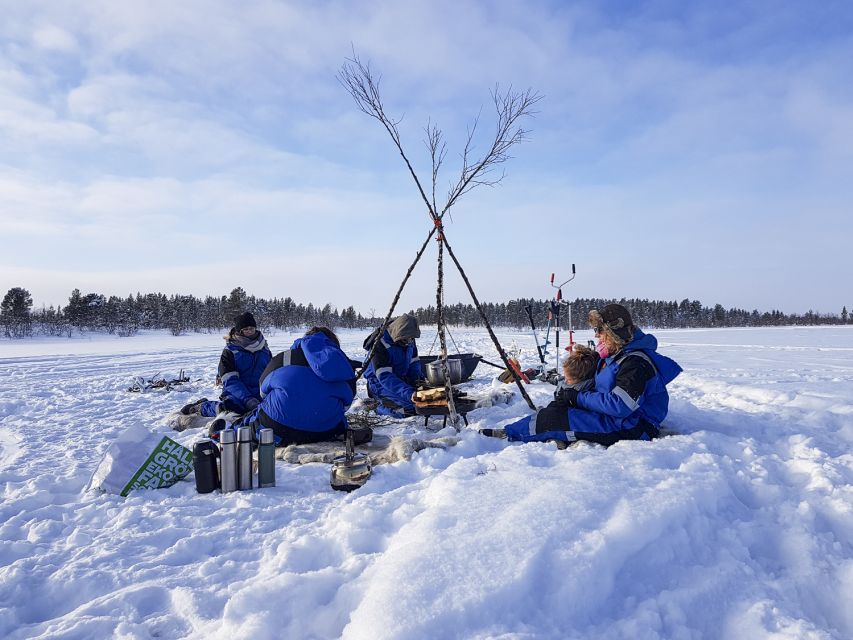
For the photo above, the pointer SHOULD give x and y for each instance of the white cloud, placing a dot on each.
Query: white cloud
(28, 122)
(127, 221)
(53, 38)
(826, 121)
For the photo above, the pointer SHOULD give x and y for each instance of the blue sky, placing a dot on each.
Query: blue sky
(682, 150)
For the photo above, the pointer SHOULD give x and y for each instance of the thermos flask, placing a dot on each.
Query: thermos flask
(266, 458)
(205, 453)
(244, 458)
(228, 461)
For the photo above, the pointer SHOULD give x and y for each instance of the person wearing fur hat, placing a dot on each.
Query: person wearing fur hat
(395, 369)
(243, 359)
(629, 401)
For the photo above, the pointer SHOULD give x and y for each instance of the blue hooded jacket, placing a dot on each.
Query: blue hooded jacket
(308, 388)
(393, 370)
(609, 408)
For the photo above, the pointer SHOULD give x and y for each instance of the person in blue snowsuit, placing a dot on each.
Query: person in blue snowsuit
(243, 359)
(306, 391)
(394, 370)
(629, 401)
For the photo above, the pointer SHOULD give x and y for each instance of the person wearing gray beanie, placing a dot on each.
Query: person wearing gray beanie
(394, 371)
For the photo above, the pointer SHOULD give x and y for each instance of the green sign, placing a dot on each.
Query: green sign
(168, 463)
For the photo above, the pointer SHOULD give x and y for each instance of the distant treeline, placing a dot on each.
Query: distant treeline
(181, 314)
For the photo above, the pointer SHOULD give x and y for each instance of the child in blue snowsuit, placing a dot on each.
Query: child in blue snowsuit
(578, 373)
(629, 400)
(394, 371)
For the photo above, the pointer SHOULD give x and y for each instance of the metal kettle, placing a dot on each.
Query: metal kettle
(435, 372)
(351, 470)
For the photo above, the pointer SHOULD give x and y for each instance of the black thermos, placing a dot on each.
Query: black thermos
(205, 453)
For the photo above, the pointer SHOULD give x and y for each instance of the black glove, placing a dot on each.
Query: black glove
(251, 403)
(566, 396)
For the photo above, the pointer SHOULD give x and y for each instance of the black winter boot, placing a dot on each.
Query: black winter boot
(193, 407)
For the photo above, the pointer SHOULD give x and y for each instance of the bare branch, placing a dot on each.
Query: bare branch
(358, 79)
(469, 145)
(511, 107)
(437, 151)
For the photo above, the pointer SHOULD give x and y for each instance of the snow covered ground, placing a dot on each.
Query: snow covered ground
(741, 527)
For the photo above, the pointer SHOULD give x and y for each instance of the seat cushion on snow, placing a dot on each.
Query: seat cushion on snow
(179, 422)
(381, 450)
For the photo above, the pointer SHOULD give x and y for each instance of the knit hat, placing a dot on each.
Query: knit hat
(614, 319)
(244, 320)
(406, 326)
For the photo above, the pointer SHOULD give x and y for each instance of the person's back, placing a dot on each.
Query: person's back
(309, 387)
(655, 404)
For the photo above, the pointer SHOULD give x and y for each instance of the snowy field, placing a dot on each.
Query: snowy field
(740, 527)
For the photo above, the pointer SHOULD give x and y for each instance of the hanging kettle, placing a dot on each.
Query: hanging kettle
(351, 470)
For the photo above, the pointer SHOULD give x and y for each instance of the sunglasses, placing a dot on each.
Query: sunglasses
(598, 329)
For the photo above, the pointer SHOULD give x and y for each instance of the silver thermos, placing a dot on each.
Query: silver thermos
(228, 460)
(245, 436)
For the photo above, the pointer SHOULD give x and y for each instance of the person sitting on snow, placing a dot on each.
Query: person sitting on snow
(306, 392)
(243, 359)
(578, 374)
(394, 371)
(629, 401)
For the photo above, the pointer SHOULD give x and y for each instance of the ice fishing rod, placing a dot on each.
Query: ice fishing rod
(529, 310)
(556, 303)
